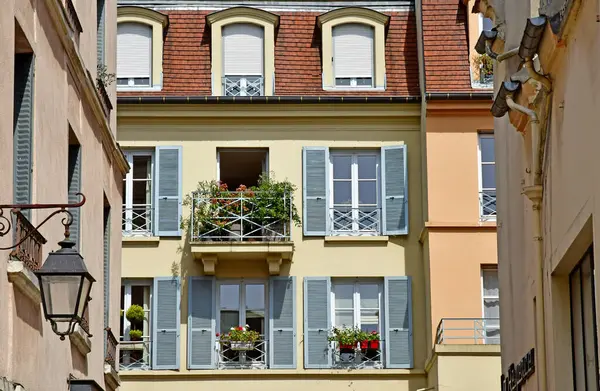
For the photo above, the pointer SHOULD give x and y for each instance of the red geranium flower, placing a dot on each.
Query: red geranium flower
(218, 335)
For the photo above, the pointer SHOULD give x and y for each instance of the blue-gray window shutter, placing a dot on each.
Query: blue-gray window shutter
(100, 30)
(165, 330)
(317, 322)
(106, 258)
(74, 183)
(201, 323)
(23, 129)
(282, 322)
(168, 190)
(314, 189)
(398, 323)
(394, 190)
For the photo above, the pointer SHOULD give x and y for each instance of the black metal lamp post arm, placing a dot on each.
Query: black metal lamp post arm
(6, 224)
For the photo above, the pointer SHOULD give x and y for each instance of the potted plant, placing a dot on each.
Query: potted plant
(239, 338)
(135, 315)
(345, 337)
(135, 335)
(211, 207)
(369, 341)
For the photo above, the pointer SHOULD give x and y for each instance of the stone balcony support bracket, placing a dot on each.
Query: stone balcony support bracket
(24, 280)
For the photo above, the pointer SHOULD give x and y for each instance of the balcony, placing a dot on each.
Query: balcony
(226, 224)
(361, 356)
(363, 221)
(468, 331)
(111, 372)
(487, 205)
(137, 220)
(243, 85)
(135, 355)
(30, 242)
(104, 98)
(235, 357)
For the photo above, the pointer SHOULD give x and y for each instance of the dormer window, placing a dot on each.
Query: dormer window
(353, 55)
(134, 54)
(243, 57)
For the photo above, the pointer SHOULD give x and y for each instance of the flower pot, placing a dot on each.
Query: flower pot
(241, 345)
(273, 232)
(236, 232)
(374, 345)
(346, 348)
(364, 345)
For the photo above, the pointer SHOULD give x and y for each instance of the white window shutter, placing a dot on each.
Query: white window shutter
(134, 50)
(243, 50)
(353, 50)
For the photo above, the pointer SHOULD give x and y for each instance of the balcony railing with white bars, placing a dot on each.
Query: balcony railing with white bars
(354, 221)
(243, 85)
(468, 331)
(487, 204)
(232, 355)
(137, 220)
(135, 355)
(362, 356)
(239, 216)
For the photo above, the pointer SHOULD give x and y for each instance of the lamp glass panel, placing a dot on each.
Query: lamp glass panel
(85, 293)
(60, 294)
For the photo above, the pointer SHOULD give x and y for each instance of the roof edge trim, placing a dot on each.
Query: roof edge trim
(459, 96)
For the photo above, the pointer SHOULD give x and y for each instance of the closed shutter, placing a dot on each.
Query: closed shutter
(353, 50)
(74, 184)
(100, 30)
(395, 190)
(398, 322)
(315, 179)
(168, 191)
(317, 322)
(23, 129)
(106, 257)
(201, 323)
(134, 50)
(165, 333)
(282, 322)
(243, 50)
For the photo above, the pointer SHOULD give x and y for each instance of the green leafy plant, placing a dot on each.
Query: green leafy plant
(274, 202)
(103, 76)
(373, 336)
(135, 335)
(135, 314)
(239, 334)
(346, 336)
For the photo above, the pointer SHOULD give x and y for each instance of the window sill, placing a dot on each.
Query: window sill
(24, 280)
(137, 374)
(81, 340)
(138, 88)
(365, 238)
(355, 89)
(141, 239)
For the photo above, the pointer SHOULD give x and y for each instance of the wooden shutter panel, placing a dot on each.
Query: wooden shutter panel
(106, 268)
(100, 30)
(398, 322)
(353, 50)
(165, 333)
(243, 45)
(134, 49)
(394, 190)
(282, 322)
(74, 184)
(315, 179)
(201, 323)
(168, 191)
(23, 129)
(317, 322)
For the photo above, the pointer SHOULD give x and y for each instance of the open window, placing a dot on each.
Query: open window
(241, 166)
(135, 334)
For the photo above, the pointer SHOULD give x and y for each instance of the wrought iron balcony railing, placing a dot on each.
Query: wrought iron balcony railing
(73, 20)
(487, 204)
(236, 356)
(362, 356)
(85, 321)
(135, 355)
(104, 98)
(468, 331)
(240, 216)
(355, 221)
(137, 220)
(29, 251)
(243, 85)
(110, 348)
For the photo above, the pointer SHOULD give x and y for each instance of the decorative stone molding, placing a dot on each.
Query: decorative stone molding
(80, 339)
(274, 261)
(111, 377)
(24, 280)
(210, 263)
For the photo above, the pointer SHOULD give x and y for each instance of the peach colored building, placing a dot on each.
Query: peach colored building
(57, 138)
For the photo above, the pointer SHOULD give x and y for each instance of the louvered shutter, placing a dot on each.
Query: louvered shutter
(353, 50)
(165, 330)
(282, 322)
(315, 180)
(201, 323)
(23, 129)
(398, 322)
(243, 50)
(394, 190)
(74, 184)
(100, 30)
(134, 50)
(106, 268)
(317, 322)
(168, 191)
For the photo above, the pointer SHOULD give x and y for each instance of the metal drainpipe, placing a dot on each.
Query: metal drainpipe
(502, 56)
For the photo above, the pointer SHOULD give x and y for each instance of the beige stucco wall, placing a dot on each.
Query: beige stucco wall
(31, 353)
(467, 368)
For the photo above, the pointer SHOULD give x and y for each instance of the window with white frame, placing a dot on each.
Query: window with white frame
(243, 59)
(355, 189)
(138, 194)
(353, 55)
(487, 176)
(135, 333)
(134, 54)
(491, 305)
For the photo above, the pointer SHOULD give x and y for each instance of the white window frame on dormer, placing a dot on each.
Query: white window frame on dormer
(483, 197)
(240, 76)
(347, 62)
(137, 48)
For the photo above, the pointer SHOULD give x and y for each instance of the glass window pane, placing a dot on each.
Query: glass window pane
(255, 296)
(342, 192)
(364, 81)
(368, 218)
(256, 320)
(488, 201)
(490, 283)
(367, 192)
(229, 297)
(577, 331)
(487, 149)
(141, 167)
(229, 319)
(142, 193)
(369, 295)
(367, 167)
(491, 309)
(344, 295)
(589, 322)
(342, 165)
(344, 318)
(488, 176)
(369, 320)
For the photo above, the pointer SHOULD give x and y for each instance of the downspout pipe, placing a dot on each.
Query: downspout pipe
(533, 191)
(502, 56)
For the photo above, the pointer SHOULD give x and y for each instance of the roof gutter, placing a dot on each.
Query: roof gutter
(460, 96)
(128, 100)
